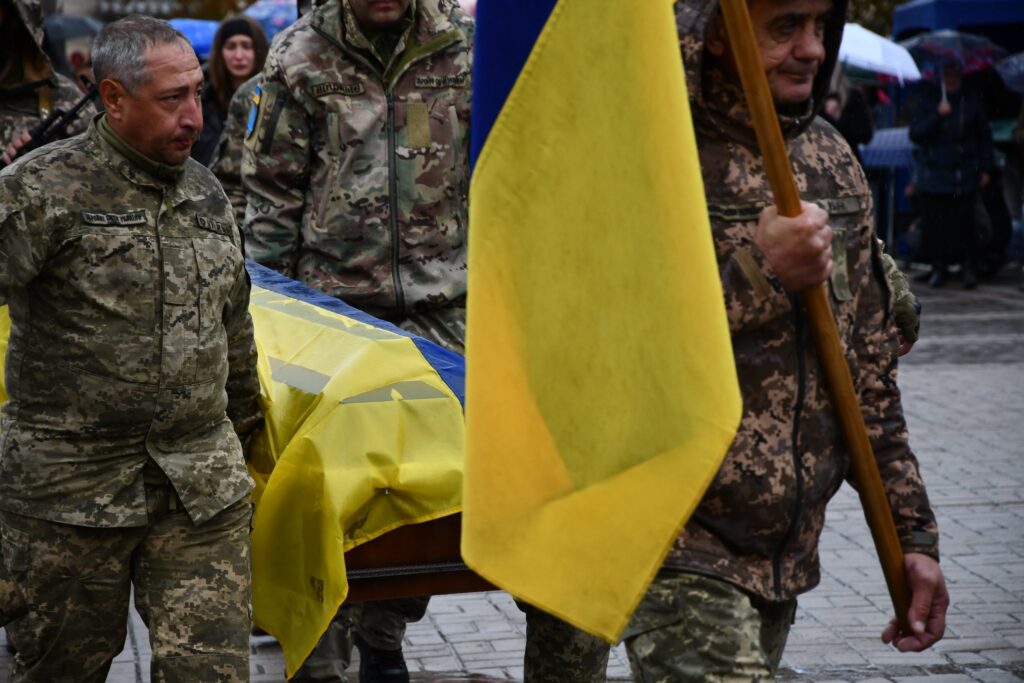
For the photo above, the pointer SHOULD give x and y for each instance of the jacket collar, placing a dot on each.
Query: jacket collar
(176, 184)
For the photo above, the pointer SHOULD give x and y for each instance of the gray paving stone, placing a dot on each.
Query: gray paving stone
(996, 676)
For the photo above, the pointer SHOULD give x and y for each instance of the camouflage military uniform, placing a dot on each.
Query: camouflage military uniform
(132, 383)
(227, 158)
(29, 92)
(356, 169)
(690, 627)
(35, 89)
(758, 524)
(906, 309)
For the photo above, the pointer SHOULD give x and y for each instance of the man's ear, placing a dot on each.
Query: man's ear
(715, 39)
(113, 95)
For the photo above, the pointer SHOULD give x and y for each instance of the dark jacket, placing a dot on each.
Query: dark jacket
(759, 522)
(951, 151)
(213, 125)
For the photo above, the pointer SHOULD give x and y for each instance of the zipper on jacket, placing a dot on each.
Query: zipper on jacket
(801, 379)
(393, 204)
(389, 91)
(392, 166)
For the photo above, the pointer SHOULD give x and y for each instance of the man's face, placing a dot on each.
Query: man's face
(164, 117)
(790, 37)
(379, 15)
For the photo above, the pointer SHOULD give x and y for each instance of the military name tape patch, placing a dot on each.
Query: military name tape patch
(457, 81)
(321, 89)
(131, 218)
(840, 206)
(213, 225)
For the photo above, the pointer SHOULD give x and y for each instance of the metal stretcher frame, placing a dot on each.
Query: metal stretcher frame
(418, 559)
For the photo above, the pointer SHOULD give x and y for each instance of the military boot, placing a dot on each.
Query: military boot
(380, 666)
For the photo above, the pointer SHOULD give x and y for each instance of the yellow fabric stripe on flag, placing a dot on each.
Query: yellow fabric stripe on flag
(362, 436)
(601, 392)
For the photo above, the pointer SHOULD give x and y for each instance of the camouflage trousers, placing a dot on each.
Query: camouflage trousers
(380, 623)
(12, 600)
(192, 589)
(694, 628)
(557, 652)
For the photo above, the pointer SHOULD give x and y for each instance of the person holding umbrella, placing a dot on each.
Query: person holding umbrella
(953, 159)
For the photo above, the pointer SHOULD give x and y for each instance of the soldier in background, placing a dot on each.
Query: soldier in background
(353, 187)
(29, 87)
(29, 90)
(132, 381)
(227, 157)
(356, 173)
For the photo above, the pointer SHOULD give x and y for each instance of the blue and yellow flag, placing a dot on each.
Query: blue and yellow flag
(364, 434)
(601, 392)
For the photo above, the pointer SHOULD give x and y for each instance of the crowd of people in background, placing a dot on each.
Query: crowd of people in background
(962, 225)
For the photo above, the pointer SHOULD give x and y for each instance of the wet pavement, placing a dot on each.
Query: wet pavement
(963, 387)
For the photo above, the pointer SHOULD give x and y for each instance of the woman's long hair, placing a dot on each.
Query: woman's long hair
(217, 69)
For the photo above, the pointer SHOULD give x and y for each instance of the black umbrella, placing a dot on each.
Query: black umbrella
(1011, 70)
(937, 49)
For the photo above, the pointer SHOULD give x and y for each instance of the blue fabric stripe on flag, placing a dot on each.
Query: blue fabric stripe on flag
(448, 364)
(505, 34)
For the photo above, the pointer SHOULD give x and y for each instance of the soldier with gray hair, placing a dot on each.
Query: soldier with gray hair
(132, 379)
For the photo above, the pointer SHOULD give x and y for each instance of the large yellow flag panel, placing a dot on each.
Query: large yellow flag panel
(601, 391)
(363, 436)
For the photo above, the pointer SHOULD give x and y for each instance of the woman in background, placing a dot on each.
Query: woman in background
(239, 50)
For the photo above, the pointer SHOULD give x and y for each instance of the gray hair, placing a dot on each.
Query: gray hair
(119, 49)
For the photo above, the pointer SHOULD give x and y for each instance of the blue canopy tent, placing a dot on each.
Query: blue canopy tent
(1002, 21)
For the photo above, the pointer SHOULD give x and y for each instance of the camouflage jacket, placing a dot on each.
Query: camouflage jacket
(759, 523)
(227, 158)
(356, 174)
(131, 342)
(41, 89)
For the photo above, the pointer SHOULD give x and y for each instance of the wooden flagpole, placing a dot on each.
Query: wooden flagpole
(815, 299)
